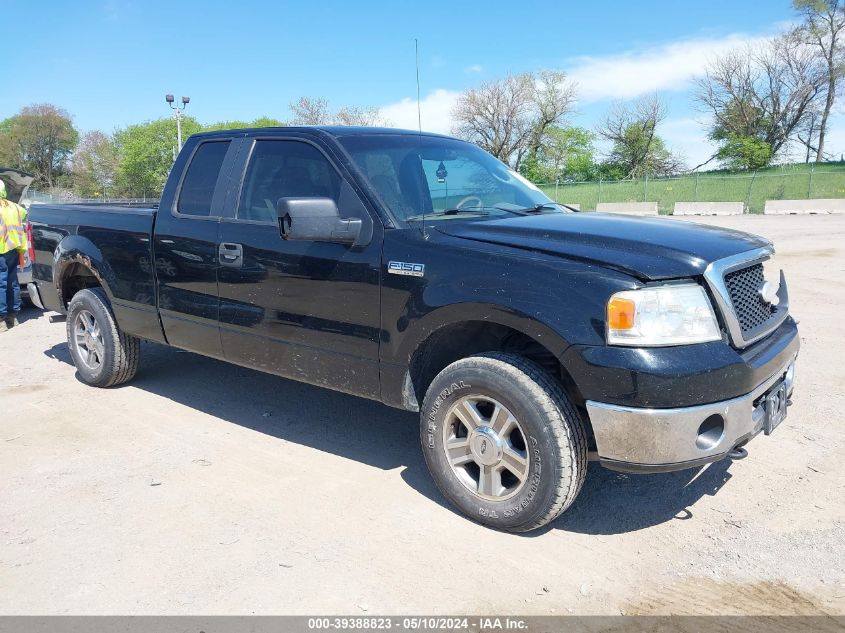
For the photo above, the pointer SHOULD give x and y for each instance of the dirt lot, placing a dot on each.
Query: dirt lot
(205, 488)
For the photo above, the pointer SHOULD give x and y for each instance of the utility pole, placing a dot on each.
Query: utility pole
(178, 113)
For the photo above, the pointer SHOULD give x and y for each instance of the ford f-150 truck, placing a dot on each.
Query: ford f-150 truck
(419, 271)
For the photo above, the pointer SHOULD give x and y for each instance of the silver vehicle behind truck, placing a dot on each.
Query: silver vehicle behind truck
(17, 183)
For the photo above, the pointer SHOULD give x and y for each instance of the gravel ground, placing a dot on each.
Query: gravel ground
(204, 488)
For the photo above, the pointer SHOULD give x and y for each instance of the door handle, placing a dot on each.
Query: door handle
(231, 254)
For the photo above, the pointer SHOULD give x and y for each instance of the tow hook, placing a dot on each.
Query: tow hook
(738, 453)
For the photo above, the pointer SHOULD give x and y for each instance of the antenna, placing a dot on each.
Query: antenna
(417, 59)
(419, 125)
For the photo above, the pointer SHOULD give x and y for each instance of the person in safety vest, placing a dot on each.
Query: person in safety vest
(13, 243)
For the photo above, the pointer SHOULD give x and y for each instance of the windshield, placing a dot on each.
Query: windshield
(441, 178)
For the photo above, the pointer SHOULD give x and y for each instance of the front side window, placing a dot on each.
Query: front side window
(285, 169)
(201, 179)
(442, 178)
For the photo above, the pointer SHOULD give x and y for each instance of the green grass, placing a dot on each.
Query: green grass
(789, 182)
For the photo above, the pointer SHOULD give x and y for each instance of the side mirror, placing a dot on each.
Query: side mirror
(315, 220)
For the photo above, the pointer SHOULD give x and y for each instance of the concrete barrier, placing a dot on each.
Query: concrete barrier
(630, 208)
(821, 206)
(708, 208)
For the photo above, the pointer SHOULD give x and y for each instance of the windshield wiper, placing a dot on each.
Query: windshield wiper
(451, 211)
(469, 210)
(448, 212)
(539, 207)
(459, 210)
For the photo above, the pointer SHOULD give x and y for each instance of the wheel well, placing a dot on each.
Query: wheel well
(75, 278)
(453, 342)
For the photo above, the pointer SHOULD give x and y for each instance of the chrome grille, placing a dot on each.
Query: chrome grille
(746, 318)
(744, 289)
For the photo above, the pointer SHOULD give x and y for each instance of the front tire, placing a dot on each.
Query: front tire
(104, 356)
(503, 442)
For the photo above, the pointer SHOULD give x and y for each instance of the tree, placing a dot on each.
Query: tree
(765, 93)
(807, 134)
(566, 153)
(553, 99)
(510, 117)
(744, 152)
(146, 153)
(315, 111)
(353, 115)
(637, 150)
(94, 165)
(236, 124)
(824, 29)
(311, 111)
(267, 121)
(39, 139)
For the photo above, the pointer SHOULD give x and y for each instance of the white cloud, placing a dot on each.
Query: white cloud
(436, 110)
(635, 73)
(474, 68)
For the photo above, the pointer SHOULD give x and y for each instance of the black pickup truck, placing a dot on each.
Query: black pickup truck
(419, 271)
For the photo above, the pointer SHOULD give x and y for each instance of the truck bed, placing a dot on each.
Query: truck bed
(120, 236)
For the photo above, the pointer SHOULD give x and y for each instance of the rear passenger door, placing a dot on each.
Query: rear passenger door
(301, 309)
(185, 248)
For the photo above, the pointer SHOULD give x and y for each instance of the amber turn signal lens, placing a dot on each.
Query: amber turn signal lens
(620, 314)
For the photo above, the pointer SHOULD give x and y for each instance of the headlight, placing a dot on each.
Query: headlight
(664, 315)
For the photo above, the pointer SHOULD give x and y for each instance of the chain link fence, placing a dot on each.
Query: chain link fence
(802, 182)
(62, 196)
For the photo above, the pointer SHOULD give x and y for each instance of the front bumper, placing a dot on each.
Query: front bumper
(634, 439)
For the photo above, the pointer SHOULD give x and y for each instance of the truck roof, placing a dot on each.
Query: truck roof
(328, 130)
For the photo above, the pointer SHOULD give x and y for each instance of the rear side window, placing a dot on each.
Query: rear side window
(201, 178)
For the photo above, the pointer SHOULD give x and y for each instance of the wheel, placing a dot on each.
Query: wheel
(503, 442)
(103, 355)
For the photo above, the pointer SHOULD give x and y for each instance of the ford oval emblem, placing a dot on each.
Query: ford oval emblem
(769, 292)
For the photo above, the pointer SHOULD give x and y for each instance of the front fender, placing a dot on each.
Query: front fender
(422, 328)
(554, 301)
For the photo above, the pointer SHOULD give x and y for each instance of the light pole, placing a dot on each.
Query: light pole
(178, 113)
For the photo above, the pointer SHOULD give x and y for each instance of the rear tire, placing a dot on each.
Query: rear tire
(104, 356)
(503, 442)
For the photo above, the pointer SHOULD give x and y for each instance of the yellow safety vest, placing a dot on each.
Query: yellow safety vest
(12, 229)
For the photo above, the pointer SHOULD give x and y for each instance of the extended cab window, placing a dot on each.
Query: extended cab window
(285, 169)
(201, 178)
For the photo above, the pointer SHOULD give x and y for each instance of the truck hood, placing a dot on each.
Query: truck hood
(647, 248)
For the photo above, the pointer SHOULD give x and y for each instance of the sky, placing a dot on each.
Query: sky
(109, 63)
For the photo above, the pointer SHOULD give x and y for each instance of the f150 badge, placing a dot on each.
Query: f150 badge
(406, 268)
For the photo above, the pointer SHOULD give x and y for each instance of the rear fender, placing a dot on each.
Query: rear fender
(75, 249)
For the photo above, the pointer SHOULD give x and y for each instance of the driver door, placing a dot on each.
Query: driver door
(300, 309)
